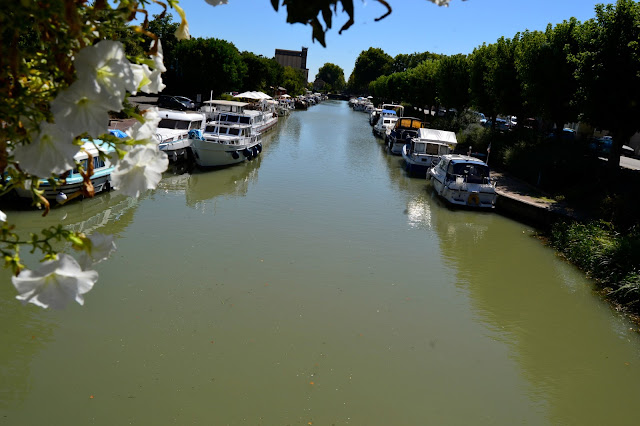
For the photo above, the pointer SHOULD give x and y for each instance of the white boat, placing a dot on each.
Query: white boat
(427, 148)
(225, 143)
(261, 116)
(176, 131)
(405, 129)
(69, 184)
(464, 181)
(399, 109)
(385, 123)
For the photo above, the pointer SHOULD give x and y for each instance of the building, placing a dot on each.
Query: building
(295, 59)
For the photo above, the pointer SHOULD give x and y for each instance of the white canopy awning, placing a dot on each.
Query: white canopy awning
(441, 136)
(253, 95)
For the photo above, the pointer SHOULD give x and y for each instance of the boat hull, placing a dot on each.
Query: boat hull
(482, 196)
(215, 154)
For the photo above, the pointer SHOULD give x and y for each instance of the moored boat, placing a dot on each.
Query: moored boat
(71, 182)
(403, 131)
(176, 131)
(464, 181)
(419, 155)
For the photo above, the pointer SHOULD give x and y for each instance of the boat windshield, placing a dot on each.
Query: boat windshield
(473, 173)
(168, 123)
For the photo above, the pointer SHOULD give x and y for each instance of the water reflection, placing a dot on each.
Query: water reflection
(202, 186)
(523, 296)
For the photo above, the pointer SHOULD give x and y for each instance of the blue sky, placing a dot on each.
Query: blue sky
(414, 26)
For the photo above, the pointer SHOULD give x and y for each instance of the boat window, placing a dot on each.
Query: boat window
(419, 148)
(244, 120)
(182, 125)
(195, 125)
(234, 132)
(432, 149)
(443, 150)
(232, 119)
(474, 173)
(98, 162)
(211, 129)
(83, 163)
(167, 123)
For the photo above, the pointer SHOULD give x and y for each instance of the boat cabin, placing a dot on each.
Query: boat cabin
(464, 168)
(398, 109)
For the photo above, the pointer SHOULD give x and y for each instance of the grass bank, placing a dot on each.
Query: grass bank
(607, 256)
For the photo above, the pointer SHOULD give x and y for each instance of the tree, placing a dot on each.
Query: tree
(209, 65)
(547, 73)
(294, 81)
(608, 72)
(262, 73)
(506, 85)
(370, 64)
(422, 81)
(403, 62)
(452, 81)
(333, 75)
(481, 80)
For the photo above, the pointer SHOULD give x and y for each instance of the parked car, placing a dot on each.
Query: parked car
(188, 101)
(179, 103)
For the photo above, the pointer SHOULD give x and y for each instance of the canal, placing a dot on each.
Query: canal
(315, 285)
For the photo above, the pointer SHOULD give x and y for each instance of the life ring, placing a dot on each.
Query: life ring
(473, 199)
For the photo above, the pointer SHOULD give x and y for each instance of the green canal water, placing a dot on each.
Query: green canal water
(316, 285)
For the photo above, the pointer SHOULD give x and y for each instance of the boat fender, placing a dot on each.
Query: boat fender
(255, 152)
(246, 152)
(235, 155)
(61, 197)
(259, 146)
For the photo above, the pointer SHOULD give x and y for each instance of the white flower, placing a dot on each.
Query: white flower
(147, 130)
(81, 108)
(55, 284)
(146, 80)
(182, 33)
(217, 2)
(158, 59)
(99, 249)
(139, 170)
(3, 216)
(50, 151)
(106, 65)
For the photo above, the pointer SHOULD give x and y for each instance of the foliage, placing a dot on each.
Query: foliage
(262, 74)
(606, 255)
(482, 86)
(205, 65)
(404, 62)
(547, 74)
(294, 81)
(452, 81)
(370, 64)
(309, 12)
(333, 75)
(608, 68)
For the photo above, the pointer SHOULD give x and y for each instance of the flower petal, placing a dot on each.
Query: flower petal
(50, 151)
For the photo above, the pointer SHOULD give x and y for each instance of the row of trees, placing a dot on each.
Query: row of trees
(205, 65)
(573, 71)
